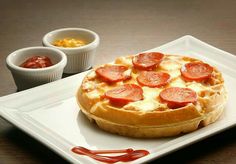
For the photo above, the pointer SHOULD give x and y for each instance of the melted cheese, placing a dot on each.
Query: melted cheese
(144, 105)
(91, 75)
(197, 87)
(174, 73)
(90, 85)
(93, 94)
(150, 93)
(178, 83)
(125, 60)
(127, 73)
(170, 65)
(149, 103)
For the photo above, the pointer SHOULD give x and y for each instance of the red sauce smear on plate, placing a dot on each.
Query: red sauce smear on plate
(127, 154)
(37, 62)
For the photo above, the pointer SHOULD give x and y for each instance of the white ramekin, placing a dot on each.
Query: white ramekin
(26, 77)
(78, 58)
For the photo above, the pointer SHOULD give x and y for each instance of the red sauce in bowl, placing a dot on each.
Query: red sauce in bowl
(37, 62)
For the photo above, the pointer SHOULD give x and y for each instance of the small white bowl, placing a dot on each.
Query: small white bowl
(79, 58)
(27, 77)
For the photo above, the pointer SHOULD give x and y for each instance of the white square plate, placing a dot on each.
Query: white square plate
(49, 113)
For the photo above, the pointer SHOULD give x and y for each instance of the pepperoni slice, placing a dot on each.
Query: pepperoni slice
(196, 71)
(176, 97)
(124, 94)
(112, 73)
(153, 79)
(147, 61)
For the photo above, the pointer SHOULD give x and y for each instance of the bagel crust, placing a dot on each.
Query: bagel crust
(150, 117)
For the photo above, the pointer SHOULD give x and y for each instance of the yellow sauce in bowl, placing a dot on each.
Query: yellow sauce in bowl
(69, 43)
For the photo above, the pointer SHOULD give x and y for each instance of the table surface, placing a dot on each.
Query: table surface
(125, 27)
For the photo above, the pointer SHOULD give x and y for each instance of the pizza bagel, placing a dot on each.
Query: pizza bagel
(151, 95)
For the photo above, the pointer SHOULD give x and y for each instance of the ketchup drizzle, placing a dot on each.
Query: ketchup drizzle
(128, 154)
